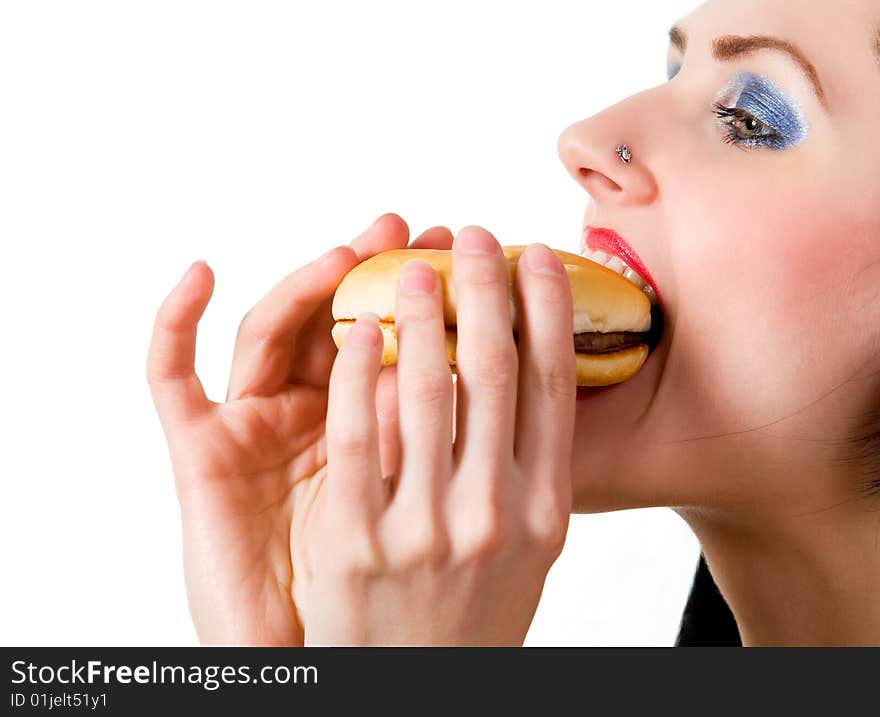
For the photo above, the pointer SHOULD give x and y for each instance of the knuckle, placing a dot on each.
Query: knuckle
(250, 330)
(351, 552)
(348, 443)
(547, 525)
(427, 387)
(157, 376)
(558, 382)
(363, 559)
(476, 272)
(486, 536)
(424, 544)
(549, 537)
(492, 367)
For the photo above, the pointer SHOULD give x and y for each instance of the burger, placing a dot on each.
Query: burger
(615, 324)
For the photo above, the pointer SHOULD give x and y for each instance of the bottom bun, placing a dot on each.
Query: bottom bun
(593, 370)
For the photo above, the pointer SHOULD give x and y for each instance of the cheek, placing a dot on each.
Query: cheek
(760, 285)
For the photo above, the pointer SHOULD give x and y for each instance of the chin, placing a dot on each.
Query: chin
(616, 435)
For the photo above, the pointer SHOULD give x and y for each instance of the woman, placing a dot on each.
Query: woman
(749, 186)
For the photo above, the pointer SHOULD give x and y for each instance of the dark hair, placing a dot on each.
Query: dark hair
(861, 449)
(707, 619)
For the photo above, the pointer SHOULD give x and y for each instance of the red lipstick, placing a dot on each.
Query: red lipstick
(611, 242)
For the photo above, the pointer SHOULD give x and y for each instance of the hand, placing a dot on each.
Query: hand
(456, 548)
(247, 468)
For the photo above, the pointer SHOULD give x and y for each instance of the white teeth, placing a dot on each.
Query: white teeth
(597, 255)
(636, 279)
(615, 263)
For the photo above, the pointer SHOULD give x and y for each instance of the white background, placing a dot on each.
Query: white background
(138, 137)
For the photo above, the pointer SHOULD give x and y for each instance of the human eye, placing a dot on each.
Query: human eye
(744, 129)
(758, 114)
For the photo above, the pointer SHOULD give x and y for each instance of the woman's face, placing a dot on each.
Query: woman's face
(764, 241)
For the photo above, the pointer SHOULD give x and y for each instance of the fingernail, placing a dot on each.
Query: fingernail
(362, 333)
(473, 240)
(417, 277)
(541, 260)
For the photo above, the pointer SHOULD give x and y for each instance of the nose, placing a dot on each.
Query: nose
(588, 150)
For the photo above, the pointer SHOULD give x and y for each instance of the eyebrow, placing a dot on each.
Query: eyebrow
(729, 47)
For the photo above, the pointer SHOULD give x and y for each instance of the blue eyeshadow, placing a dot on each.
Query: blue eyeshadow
(766, 101)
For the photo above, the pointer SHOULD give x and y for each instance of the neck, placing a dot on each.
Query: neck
(812, 579)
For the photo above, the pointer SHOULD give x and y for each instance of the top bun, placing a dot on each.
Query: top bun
(603, 300)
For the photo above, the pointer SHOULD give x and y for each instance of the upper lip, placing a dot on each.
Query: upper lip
(610, 241)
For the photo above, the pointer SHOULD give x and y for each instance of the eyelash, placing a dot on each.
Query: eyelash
(730, 115)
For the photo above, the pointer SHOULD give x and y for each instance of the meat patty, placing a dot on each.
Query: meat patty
(596, 343)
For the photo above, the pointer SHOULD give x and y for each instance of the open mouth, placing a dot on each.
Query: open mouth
(652, 338)
(606, 247)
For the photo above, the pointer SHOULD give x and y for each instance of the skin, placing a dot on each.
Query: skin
(768, 262)
(456, 550)
(739, 420)
(268, 502)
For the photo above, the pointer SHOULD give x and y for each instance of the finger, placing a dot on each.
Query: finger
(177, 392)
(310, 360)
(424, 383)
(265, 340)
(434, 238)
(354, 471)
(547, 375)
(267, 337)
(389, 231)
(486, 359)
(439, 237)
(387, 417)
